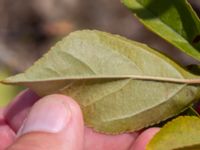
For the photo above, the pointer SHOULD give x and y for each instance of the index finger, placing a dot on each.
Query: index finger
(17, 111)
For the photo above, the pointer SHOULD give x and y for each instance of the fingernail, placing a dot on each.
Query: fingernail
(48, 115)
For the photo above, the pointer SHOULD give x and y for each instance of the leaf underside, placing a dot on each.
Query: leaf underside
(91, 67)
(182, 133)
(173, 20)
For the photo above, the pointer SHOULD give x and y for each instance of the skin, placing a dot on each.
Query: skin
(73, 136)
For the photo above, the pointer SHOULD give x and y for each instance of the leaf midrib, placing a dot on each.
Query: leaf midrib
(103, 77)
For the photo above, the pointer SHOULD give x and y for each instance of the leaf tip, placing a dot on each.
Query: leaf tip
(4, 81)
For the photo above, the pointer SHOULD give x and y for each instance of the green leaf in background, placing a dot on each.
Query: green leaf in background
(190, 112)
(195, 69)
(7, 92)
(182, 133)
(173, 20)
(121, 85)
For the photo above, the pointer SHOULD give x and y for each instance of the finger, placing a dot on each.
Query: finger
(16, 112)
(97, 141)
(6, 134)
(54, 123)
(144, 138)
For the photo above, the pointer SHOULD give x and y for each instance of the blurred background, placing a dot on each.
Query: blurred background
(28, 28)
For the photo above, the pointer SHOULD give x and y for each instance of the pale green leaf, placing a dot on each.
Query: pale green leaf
(182, 133)
(7, 92)
(121, 85)
(173, 20)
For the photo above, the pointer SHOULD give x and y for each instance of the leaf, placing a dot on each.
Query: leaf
(173, 20)
(191, 112)
(193, 147)
(194, 68)
(7, 92)
(121, 85)
(180, 134)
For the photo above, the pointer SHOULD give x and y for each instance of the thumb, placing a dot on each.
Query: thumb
(54, 123)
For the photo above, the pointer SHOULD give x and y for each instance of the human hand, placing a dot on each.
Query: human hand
(55, 123)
